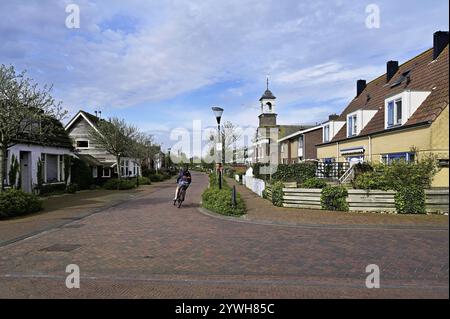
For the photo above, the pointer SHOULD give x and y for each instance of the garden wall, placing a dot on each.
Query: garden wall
(256, 185)
(437, 201)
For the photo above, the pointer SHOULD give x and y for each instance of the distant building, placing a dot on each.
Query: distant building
(266, 148)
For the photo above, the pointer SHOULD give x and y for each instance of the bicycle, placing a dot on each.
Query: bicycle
(180, 196)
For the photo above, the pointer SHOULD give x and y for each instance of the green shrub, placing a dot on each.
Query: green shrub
(144, 181)
(277, 194)
(299, 172)
(314, 182)
(157, 177)
(219, 200)
(17, 203)
(410, 200)
(72, 188)
(81, 174)
(122, 184)
(370, 180)
(52, 189)
(334, 198)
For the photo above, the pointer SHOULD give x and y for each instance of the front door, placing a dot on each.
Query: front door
(25, 171)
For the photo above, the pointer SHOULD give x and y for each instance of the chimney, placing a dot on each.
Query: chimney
(100, 114)
(95, 113)
(391, 69)
(333, 117)
(360, 86)
(440, 41)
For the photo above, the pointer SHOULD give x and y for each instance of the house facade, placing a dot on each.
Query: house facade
(39, 163)
(402, 114)
(102, 163)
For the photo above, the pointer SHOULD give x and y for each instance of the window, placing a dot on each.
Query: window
(326, 133)
(352, 125)
(282, 147)
(94, 172)
(106, 172)
(389, 158)
(83, 144)
(394, 110)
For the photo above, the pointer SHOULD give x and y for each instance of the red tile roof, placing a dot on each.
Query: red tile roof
(425, 74)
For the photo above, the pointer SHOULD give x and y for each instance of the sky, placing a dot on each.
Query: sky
(162, 64)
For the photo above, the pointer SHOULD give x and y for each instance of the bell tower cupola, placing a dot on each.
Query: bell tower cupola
(268, 117)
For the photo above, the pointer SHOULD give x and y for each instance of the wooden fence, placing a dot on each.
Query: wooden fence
(437, 201)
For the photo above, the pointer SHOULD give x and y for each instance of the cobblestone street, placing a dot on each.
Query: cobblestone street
(147, 248)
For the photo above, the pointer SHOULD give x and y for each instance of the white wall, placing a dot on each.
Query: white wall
(36, 152)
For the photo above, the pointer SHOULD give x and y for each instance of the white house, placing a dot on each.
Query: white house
(29, 155)
(102, 163)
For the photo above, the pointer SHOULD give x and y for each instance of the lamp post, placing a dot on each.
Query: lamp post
(218, 114)
(168, 158)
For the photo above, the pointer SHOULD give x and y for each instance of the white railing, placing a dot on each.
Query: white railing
(348, 174)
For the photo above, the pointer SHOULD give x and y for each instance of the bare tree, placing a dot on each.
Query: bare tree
(27, 113)
(230, 134)
(116, 137)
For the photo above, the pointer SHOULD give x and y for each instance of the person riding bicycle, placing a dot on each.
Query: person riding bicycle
(184, 179)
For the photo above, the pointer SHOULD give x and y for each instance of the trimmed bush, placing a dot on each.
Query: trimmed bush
(410, 200)
(370, 180)
(219, 200)
(144, 181)
(17, 203)
(334, 198)
(299, 172)
(122, 184)
(157, 177)
(52, 189)
(277, 194)
(314, 182)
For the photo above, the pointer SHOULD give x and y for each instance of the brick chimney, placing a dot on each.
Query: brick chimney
(391, 69)
(360, 87)
(440, 41)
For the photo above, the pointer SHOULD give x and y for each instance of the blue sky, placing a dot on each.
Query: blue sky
(161, 64)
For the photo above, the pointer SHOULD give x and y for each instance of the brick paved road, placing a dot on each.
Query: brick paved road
(148, 248)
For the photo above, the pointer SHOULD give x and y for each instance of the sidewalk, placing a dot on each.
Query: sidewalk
(63, 209)
(261, 210)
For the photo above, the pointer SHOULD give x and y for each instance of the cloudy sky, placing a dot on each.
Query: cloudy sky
(161, 64)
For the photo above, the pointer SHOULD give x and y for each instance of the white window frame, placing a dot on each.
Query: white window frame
(82, 140)
(396, 121)
(354, 126)
(326, 133)
(103, 172)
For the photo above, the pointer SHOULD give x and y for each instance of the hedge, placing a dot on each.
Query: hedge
(17, 203)
(277, 194)
(122, 184)
(81, 174)
(410, 200)
(219, 200)
(314, 182)
(334, 198)
(299, 172)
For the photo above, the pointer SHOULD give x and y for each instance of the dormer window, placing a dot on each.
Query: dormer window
(352, 125)
(394, 113)
(326, 133)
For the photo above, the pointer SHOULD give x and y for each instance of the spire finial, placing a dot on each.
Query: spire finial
(267, 78)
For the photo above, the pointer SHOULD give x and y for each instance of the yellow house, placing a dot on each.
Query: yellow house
(401, 114)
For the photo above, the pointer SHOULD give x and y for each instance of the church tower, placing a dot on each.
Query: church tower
(268, 117)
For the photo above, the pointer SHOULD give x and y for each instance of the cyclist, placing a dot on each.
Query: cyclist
(184, 179)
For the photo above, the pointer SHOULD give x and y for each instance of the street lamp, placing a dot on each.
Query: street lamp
(218, 114)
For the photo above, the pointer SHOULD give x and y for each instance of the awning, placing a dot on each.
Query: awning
(353, 150)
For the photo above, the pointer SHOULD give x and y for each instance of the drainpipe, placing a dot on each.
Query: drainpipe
(370, 148)
(337, 151)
